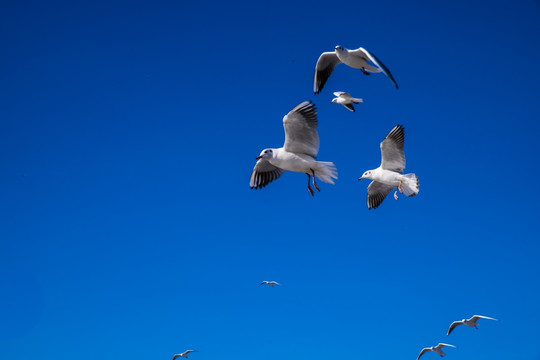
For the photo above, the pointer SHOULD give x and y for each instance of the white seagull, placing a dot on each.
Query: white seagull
(358, 59)
(184, 354)
(298, 152)
(469, 322)
(271, 283)
(435, 349)
(390, 174)
(346, 100)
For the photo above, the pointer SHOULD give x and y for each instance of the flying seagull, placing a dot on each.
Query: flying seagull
(469, 322)
(184, 354)
(390, 174)
(436, 349)
(297, 154)
(358, 59)
(346, 100)
(271, 283)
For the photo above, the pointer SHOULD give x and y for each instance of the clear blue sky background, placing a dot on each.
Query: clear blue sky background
(128, 134)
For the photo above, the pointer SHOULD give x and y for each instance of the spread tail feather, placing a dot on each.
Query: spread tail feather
(410, 184)
(326, 171)
(357, 101)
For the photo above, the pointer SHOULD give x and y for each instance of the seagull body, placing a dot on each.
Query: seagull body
(357, 59)
(297, 154)
(271, 283)
(184, 354)
(346, 100)
(390, 174)
(468, 322)
(436, 349)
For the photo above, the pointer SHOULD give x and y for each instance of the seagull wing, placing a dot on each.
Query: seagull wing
(476, 317)
(377, 191)
(343, 94)
(176, 356)
(325, 65)
(393, 157)
(349, 106)
(424, 350)
(300, 125)
(263, 174)
(453, 325)
(380, 64)
(441, 345)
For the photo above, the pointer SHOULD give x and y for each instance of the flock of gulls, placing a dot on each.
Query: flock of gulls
(299, 152)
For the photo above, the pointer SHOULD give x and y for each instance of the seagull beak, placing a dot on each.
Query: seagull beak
(258, 157)
(360, 178)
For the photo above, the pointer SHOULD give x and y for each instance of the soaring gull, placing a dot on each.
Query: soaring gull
(390, 174)
(358, 59)
(435, 349)
(184, 354)
(298, 152)
(469, 322)
(271, 283)
(346, 100)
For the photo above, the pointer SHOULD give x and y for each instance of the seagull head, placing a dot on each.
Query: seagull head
(367, 175)
(339, 49)
(265, 154)
(334, 100)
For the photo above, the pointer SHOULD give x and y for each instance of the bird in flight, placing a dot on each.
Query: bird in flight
(346, 100)
(435, 349)
(184, 354)
(468, 322)
(390, 173)
(298, 152)
(357, 59)
(271, 283)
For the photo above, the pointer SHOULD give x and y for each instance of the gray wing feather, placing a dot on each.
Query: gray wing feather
(424, 350)
(381, 66)
(453, 326)
(300, 125)
(377, 191)
(325, 65)
(349, 106)
(393, 157)
(263, 174)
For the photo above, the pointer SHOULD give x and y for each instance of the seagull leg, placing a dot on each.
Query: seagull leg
(308, 185)
(399, 187)
(395, 195)
(364, 71)
(314, 183)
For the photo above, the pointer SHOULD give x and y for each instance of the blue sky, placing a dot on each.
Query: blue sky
(128, 134)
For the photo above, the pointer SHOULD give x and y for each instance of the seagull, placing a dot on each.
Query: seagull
(346, 100)
(271, 283)
(184, 354)
(436, 349)
(390, 174)
(297, 154)
(469, 322)
(357, 59)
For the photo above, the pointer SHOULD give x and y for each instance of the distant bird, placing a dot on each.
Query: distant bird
(389, 175)
(346, 100)
(184, 354)
(469, 322)
(358, 59)
(435, 349)
(271, 283)
(298, 152)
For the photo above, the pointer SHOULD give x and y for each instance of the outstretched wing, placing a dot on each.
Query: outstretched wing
(452, 326)
(393, 157)
(377, 191)
(424, 350)
(325, 65)
(300, 125)
(342, 94)
(381, 66)
(263, 174)
(349, 106)
(476, 317)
